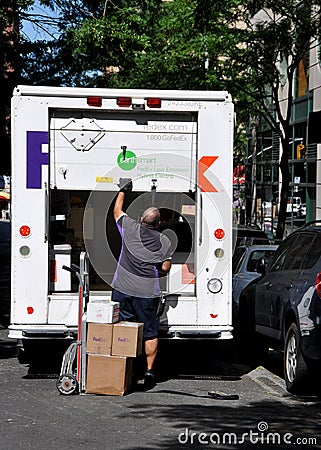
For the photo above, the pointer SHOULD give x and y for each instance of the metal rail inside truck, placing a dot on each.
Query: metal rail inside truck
(70, 146)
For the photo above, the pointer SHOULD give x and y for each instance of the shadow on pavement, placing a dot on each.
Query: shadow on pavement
(46, 359)
(272, 422)
(176, 359)
(260, 424)
(8, 347)
(200, 359)
(4, 288)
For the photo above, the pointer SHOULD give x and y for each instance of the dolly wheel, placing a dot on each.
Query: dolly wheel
(67, 384)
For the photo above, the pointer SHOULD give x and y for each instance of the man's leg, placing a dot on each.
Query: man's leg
(151, 347)
(146, 312)
(126, 310)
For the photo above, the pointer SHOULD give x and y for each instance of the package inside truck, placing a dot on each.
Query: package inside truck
(83, 221)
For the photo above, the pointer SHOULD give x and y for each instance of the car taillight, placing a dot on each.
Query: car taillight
(318, 284)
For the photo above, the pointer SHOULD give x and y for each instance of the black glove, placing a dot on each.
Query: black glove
(125, 185)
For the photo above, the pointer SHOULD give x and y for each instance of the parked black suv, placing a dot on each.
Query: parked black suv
(285, 304)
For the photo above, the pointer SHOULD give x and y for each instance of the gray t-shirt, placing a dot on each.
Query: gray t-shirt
(143, 250)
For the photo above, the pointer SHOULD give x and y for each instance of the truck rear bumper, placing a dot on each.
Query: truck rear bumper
(63, 332)
(196, 333)
(41, 332)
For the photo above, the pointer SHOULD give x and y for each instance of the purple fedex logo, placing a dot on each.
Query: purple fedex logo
(35, 157)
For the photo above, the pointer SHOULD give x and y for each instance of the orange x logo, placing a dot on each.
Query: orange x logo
(203, 164)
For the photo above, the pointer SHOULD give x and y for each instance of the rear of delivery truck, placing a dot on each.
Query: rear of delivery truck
(70, 146)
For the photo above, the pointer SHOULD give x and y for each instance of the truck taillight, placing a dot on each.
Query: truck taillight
(124, 102)
(24, 231)
(318, 284)
(154, 102)
(219, 233)
(94, 101)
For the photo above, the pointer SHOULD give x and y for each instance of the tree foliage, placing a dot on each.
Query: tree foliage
(179, 44)
(275, 41)
(10, 66)
(132, 44)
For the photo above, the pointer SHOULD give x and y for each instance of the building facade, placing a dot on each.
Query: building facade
(305, 147)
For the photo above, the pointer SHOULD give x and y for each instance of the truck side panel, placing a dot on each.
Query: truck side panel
(215, 160)
(29, 175)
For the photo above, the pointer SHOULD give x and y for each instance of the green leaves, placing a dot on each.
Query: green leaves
(250, 48)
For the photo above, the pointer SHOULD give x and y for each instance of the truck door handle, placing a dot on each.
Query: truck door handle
(200, 217)
(46, 199)
(289, 286)
(268, 285)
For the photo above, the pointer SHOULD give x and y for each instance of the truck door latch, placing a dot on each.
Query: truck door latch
(124, 148)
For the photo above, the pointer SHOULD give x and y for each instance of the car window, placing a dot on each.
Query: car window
(297, 252)
(249, 235)
(255, 257)
(313, 253)
(281, 254)
(237, 258)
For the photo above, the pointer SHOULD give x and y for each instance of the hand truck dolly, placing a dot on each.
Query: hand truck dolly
(72, 378)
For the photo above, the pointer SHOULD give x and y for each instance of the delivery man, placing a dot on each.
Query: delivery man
(145, 254)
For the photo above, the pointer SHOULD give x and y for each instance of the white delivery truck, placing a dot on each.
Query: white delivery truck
(70, 146)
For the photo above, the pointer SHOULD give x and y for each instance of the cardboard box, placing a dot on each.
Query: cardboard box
(108, 375)
(99, 338)
(102, 311)
(127, 339)
(188, 210)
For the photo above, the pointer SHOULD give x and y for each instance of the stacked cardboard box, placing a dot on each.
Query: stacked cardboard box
(111, 348)
(108, 375)
(99, 338)
(100, 311)
(127, 339)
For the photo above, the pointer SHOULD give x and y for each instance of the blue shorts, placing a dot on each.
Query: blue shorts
(139, 309)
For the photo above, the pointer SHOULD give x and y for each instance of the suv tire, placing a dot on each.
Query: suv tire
(295, 369)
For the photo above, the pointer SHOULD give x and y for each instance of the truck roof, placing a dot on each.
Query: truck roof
(52, 91)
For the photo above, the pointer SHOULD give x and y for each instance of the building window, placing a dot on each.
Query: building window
(319, 51)
(283, 70)
(302, 77)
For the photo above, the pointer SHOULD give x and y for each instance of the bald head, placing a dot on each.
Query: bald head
(151, 217)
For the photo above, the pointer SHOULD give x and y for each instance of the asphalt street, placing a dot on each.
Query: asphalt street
(176, 414)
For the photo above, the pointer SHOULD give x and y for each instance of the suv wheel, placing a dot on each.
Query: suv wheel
(295, 369)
